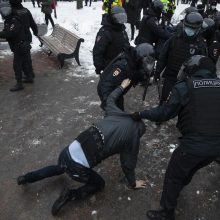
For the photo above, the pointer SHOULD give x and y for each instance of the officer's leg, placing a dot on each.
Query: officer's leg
(45, 172)
(181, 168)
(17, 66)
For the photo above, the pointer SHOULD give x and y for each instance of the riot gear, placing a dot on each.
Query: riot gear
(118, 15)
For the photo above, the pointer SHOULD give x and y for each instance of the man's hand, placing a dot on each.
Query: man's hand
(140, 184)
(125, 83)
(135, 116)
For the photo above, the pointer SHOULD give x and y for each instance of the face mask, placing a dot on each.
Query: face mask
(5, 11)
(190, 32)
(213, 7)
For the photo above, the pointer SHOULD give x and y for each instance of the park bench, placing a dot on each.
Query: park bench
(62, 43)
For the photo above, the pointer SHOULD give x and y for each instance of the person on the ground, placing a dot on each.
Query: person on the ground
(117, 133)
(134, 63)
(17, 21)
(111, 38)
(150, 30)
(47, 10)
(196, 101)
(133, 10)
(177, 49)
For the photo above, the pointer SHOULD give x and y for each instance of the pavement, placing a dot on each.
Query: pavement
(38, 122)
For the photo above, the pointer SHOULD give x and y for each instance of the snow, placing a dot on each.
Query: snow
(85, 23)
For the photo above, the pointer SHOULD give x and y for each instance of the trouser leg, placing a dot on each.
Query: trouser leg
(132, 31)
(46, 19)
(17, 65)
(51, 20)
(181, 168)
(27, 65)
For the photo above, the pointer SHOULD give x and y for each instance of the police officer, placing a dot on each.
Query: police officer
(111, 38)
(133, 63)
(19, 40)
(117, 133)
(201, 9)
(150, 30)
(196, 101)
(108, 4)
(177, 49)
(211, 11)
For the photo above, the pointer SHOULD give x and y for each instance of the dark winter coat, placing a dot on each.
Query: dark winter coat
(46, 6)
(121, 136)
(191, 142)
(175, 51)
(133, 10)
(150, 30)
(124, 66)
(110, 41)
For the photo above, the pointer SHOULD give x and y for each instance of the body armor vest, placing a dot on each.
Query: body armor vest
(201, 116)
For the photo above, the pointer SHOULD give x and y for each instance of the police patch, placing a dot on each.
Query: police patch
(116, 72)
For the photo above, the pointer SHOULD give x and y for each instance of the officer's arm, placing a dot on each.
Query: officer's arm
(128, 158)
(103, 39)
(33, 25)
(163, 57)
(13, 30)
(177, 99)
(158, 30)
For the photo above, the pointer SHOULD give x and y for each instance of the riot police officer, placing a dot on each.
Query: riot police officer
(19, 39)
(196, 101)
(177, 49)
(111, 38)
(210, 13)
(133, 63)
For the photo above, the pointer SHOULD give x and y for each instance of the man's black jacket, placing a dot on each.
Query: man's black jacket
(199, 145)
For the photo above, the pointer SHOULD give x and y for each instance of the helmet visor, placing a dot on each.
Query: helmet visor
(120, 18)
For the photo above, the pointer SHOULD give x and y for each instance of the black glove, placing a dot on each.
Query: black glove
(136, 116)
(156, 77)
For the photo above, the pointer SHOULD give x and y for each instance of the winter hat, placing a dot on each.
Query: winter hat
(15, 3)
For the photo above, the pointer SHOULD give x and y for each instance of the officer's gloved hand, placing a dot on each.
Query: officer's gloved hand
(136, 116)
(156, 77)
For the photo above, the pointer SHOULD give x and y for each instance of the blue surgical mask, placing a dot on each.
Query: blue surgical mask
(189, 31)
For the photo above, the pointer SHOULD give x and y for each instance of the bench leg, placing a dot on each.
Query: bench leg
(60, 58)
(76, 52)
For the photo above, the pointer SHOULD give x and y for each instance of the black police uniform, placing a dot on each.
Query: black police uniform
(175, 51)
(150, 30)
(122, 67)
(110, 41)
(197, 103)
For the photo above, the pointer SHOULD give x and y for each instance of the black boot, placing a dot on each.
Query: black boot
(21, 180)
(160, 214)
(17, 87)
(64, 197)
(28, 80)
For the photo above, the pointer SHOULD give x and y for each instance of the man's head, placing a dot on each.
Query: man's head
(15, 3)
(213, 5)
(5, 10)
(157, 6)
(118, 15)
(145, 57)
(192, 24)
(194, 64)
(201, 8)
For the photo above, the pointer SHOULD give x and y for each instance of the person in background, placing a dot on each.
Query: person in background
(47, 10)
(90, 2)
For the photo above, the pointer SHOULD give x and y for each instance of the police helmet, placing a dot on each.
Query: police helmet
(5, 9)
(190, 9)
(118, 15)
(195, 63)
(145, 54)
(157, 6)
(193, 20)
(200, 8)
(208, 23)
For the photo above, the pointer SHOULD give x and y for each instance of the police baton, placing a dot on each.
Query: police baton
(145, 88)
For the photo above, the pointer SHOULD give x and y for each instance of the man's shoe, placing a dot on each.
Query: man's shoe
(160, 215)
(21, 180)
(28, 80)
(64, 197)
(17, 87)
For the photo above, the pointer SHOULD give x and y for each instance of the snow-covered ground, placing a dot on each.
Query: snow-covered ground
(85, 23)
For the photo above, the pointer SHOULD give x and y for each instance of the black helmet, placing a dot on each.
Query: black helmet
(190, 9)
(213, 3)
(207, 24)
(5, 9)
(195, 63)
(145, 54)
(193, 20)
(200, 8)
(118, 15)
(157, 6)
